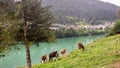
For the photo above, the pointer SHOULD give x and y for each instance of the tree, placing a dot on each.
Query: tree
(35, 21)
(115, 29)
(25, 21)
(7, 21)
(119, 14)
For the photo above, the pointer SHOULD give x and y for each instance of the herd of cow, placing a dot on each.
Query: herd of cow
(55, 53)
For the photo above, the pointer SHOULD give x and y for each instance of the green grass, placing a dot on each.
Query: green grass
(96, 55)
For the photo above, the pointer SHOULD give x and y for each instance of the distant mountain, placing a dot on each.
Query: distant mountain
(92, 11)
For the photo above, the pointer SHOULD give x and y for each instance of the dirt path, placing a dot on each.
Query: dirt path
(113, 65)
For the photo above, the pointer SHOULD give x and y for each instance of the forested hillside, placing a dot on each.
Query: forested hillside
(92, 11)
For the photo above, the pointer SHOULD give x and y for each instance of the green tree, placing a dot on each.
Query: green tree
(119, 14)
(115, 29)
(7, 23)
(35, 21)
(25, 21)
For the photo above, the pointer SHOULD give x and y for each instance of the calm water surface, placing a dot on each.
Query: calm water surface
(17, 58)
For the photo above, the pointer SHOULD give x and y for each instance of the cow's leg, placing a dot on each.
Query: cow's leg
(50, 58)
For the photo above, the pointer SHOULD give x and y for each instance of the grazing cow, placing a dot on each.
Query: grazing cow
(44, 58)
(63, 51)
(80, 46)
(53, 54)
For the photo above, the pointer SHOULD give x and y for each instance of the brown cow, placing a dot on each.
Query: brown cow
(80, 46)
(44, 58)
(53, 54)
(63, 51)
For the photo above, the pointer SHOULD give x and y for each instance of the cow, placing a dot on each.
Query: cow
(63, 51)
(80, 46)
(44, 58)
(53, 54)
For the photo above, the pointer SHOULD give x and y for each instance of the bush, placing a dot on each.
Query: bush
(115, 29)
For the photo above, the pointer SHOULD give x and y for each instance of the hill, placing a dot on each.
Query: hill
(100, 53)
(92, 11)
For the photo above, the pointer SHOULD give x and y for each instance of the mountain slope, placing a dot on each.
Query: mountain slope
(87, 10)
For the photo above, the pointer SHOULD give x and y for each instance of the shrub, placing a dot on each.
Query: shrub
(115, 29)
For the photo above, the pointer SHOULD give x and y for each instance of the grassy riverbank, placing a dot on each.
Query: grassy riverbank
(98, 54)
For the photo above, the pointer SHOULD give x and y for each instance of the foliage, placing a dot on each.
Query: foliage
(38, 18)
(35, 22)
(11, 25)
(38, 21)
(115, 29)
(7, 24)
(119, 14)
(71, 32)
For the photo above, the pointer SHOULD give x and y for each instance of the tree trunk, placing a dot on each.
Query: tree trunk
(28, 58)
(26, 41)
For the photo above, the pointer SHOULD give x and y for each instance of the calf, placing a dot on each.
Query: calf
(63, 51)
(80, 46)
(44, 58)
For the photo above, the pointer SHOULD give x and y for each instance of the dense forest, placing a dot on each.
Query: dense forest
(92, 11)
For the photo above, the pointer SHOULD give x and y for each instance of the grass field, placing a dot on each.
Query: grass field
(98, 54)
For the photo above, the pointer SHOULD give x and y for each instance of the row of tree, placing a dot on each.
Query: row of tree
(62, 32)
(24, 21)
